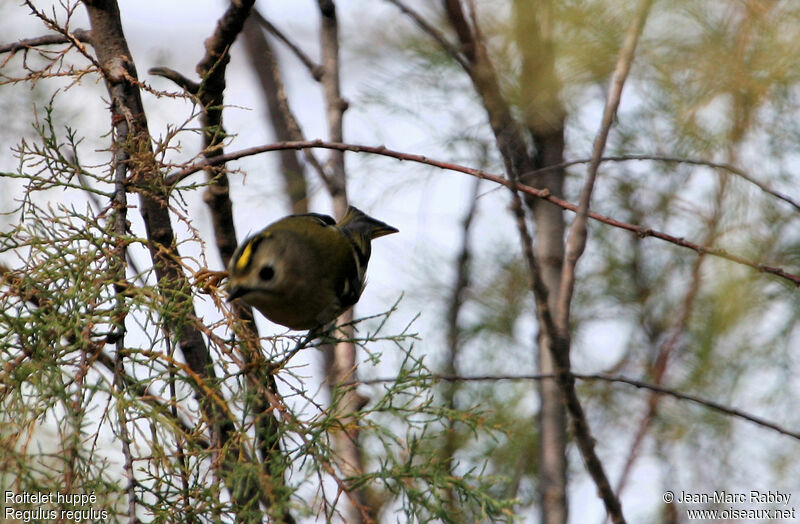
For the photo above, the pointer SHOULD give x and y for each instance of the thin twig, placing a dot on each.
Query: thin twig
(544, 194)
(117, 265)
(660, 368)
(71, 37)
(431, 31)
(131, 137)
(94, 200)
(81, 35)
(315, 69)
(454, 335)
(335, 105)
(578, 232)
(340, 361)
(481, 70)
(640, 384)
(180, 452)
(187, 84)
(284, 122)
(150, 398)
(721, 166)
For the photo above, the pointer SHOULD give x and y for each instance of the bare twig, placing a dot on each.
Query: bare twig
(576, 239)
(29, 43)
(462, 281)
(187, 84)
(695, 399)
(640, 384)
(70, 37)
(340, 359)
(742, 109)
(454, 333)
(660, 368)
(720, 166)
(543, 194)
(289, 122)
(335, 105)
(315, 69)
(180, 452)
(117, 265)
(507, 132)
(431, 31)
(284, 124)
(132, 139)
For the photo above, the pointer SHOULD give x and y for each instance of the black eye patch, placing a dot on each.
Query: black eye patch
(266, 273)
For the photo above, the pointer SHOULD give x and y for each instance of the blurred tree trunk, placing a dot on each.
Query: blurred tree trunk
(265, 65)
(340, 361)
(543, 126)
(544, 119)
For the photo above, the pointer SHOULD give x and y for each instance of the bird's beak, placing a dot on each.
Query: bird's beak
(236, 292)
(383, 229)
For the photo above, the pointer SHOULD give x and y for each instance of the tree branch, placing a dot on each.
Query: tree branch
(132, 140)
(284, 124)
(576, 238)
(187, 84)
(340, 359)
(335, 105)
(455, 337)
(725, 167)
(434, 33)
(212, 70)
(286, 120)
(484, 78)
(315, 69)
(639, 384)
(543, 194)
(81, 35)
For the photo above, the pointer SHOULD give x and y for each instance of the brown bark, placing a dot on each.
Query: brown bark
(133, 148)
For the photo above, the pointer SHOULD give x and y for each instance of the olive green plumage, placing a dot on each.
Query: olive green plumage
(303, 271)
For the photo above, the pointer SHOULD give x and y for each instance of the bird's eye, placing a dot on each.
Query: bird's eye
(266, 273)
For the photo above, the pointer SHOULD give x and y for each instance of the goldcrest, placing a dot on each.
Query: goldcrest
(303, 271)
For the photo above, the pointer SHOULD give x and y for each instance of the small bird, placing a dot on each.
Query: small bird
(303, 271)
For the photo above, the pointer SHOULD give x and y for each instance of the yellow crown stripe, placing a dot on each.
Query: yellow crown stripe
(244, 258)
